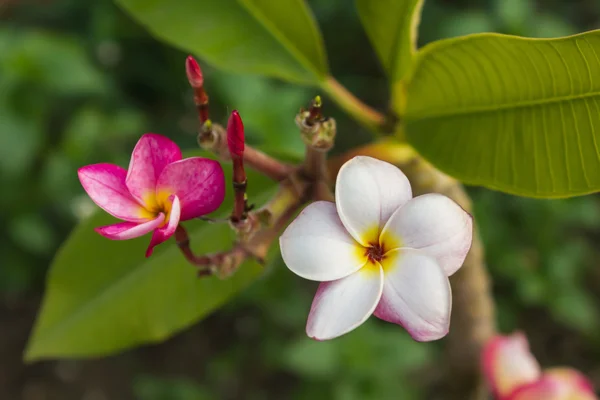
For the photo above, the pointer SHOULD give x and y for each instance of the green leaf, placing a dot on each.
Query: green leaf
(392, 28)
(275, 38)
(103, 296)
(514, 114)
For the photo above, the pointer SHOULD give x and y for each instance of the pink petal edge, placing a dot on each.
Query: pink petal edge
(105, 184)
(577, 381)
(416, 295)
(198, 182)
(342, 305)
(130, 230)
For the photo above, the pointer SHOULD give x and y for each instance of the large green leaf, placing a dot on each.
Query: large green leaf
(277, 38)
(103, 296)
(514, 114)
(392, 28)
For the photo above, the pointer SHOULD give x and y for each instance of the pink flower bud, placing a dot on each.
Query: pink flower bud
(235, 135)
(194, 73)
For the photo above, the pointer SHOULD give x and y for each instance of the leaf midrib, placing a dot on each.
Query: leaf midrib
(497, 107)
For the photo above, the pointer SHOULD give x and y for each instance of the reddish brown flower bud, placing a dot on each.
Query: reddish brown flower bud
(235, 135)
(194, 73)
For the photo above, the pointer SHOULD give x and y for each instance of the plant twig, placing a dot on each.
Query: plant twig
(196, 80)
(264, 226)
(215, 140)
(366, 115)
(236, 145)
(318, 133)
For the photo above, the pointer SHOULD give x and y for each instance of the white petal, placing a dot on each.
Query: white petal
(342, 305)
(367, 192)
(416, 294)
(434, 224)
(316, 245)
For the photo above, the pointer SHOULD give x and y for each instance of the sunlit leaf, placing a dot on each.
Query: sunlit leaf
(103, 296)
(275, 38)
(514, 114)
(392, 28)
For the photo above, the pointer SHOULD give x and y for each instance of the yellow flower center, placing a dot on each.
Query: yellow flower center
(156, 203)
(379, 251)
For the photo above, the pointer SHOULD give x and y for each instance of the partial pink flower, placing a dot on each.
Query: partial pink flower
(157, 191)
(513, 373)
(379, 251)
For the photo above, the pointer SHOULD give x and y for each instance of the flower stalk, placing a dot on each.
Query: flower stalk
(196, 80)
(214, 139)
(235, 143)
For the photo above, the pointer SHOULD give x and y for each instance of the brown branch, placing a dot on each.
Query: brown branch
(266, 165)
(215, 140)
(240, 204)
(264, 226)
(183, 242)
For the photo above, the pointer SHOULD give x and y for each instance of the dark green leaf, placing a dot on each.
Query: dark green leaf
(275, 38)
(392, 27)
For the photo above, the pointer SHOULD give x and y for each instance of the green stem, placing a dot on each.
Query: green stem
(366, 115)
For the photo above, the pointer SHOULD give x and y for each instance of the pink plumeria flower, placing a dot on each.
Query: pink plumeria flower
(159, 190)
(513, 373)
(378, 250)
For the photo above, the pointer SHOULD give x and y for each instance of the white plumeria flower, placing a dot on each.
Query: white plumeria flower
(378, 250)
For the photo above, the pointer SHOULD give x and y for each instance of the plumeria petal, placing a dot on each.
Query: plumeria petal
(105, 184)
(367, 193)
(198, 182)
(572, 378)
(162, 234)
(316, 245)
(542, 389)
(151, 155)
(342, 305)
(416, 294)
(508, 363)
(556, 384)
(434, 224)
(130, 230)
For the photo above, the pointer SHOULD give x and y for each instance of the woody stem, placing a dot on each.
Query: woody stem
(215, 140)
(266, 165)
(240, 206)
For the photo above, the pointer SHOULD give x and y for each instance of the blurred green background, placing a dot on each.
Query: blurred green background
(80, 82)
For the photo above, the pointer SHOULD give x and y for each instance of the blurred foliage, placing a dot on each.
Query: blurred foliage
(80, 82)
